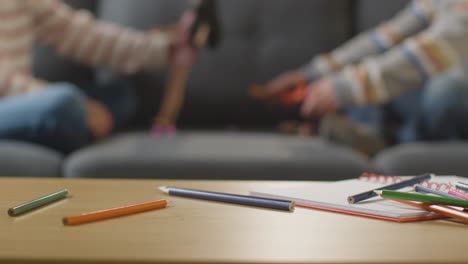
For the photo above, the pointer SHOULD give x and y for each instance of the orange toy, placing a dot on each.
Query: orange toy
(293, 96)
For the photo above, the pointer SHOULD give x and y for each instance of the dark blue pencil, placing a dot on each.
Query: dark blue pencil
(369, 194)
(277, 204)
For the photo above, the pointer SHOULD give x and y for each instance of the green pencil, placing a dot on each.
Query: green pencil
(28, 206)
(424, 198)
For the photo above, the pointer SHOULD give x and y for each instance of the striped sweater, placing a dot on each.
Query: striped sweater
(74, 34)
(427, 38)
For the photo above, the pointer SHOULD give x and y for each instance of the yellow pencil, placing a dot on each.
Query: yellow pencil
(113, 212)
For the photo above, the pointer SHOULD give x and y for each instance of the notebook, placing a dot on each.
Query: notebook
(332, 196)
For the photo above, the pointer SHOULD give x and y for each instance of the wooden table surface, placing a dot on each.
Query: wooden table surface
(194, 231)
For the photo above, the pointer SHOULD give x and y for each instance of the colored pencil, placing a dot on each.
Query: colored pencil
(369, 194)
(440, 209)
(424, 198)
(458, 194)
(461, 186)
(277, 204)
(422, 189)
(38, 202)
(113, 212)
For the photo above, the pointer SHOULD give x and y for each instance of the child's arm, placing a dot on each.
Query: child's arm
(413, 19)
(441, 47)
(77, 35)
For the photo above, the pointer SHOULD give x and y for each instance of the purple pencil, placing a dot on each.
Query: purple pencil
(284, 205)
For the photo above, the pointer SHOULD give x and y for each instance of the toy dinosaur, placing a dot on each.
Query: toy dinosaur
(205, 30)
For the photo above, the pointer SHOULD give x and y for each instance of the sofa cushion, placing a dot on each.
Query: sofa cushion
(198, 155)
(23, 159)
(412, 159)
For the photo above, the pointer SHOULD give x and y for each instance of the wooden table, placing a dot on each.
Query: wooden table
(193, 231)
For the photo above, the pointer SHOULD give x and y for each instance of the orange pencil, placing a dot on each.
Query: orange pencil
(448, 211)
(113, 212)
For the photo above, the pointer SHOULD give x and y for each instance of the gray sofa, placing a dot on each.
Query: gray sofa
(224, 134)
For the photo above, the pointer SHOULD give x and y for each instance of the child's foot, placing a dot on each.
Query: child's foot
(341, 130)
(183, 53)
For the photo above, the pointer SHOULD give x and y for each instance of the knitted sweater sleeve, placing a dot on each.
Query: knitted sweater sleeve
(408, 65)
(78, 35)
(416, 17)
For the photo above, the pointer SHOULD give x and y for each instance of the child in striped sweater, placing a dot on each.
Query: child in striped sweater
(59, 115)
(425, 40)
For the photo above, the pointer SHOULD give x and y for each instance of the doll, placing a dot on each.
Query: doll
(205, 30)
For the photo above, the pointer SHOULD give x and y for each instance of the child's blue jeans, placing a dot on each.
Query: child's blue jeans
(439, 111)
(55, 117)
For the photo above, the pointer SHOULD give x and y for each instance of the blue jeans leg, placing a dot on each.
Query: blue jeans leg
(402, 112)
(54, 117)
(438, 111)
(444, 110)
(389, 120)
(118, 96)
(371, 117)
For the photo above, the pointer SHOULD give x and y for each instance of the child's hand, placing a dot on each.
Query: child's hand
(183, 53)
(320, 100)
(98, 119)
(285, 81)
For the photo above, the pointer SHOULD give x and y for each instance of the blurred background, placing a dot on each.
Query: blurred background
(223, 132)
(261, 39)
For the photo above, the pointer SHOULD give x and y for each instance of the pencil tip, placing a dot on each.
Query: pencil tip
(378, 192)
(292, 206)
(164, 189)
(11, 212)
